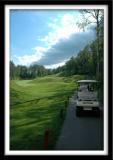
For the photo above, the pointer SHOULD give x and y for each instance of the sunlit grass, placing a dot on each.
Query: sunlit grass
(28, 121)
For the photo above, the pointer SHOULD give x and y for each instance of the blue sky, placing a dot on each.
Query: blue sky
(47, 37)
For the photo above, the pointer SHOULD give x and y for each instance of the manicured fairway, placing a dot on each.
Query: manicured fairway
(35, 106)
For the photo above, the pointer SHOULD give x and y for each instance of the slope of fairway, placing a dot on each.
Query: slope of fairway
(35, 106)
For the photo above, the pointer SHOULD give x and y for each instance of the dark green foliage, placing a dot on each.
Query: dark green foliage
(23, 72)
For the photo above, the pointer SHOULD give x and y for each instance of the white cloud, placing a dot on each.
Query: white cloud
(61, 28)
(28, 59)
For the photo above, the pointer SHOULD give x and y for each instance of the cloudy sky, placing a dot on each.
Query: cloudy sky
(48, 37)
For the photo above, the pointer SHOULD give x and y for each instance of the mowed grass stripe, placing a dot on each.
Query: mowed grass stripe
(37, 99)
(37, 107)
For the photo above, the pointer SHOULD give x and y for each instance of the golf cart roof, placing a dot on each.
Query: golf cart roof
(87, 81)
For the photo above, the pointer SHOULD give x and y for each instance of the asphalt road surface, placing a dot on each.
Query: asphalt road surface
(80, 133)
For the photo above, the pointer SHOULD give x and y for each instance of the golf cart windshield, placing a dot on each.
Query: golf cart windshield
(87, 85)
(87, 89)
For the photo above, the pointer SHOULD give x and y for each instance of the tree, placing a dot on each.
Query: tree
(12, 70)
(93, 16)
(70, 66)
(23, 72)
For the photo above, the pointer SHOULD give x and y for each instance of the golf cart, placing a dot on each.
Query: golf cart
(87, 97)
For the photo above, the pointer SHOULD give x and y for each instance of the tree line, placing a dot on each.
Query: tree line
(85, 62)
(24, 72)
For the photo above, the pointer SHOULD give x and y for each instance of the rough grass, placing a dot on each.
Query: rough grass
(28, 121)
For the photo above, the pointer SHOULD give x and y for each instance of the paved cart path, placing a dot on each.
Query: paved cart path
(80, 133)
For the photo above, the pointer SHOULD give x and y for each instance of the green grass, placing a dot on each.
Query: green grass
(28, 121)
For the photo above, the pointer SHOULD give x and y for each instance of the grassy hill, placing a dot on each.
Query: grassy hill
(35, 106)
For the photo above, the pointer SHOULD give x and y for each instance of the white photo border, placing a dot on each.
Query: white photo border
(7, 80)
